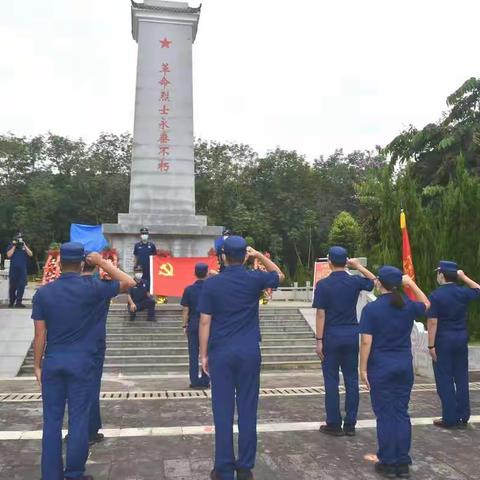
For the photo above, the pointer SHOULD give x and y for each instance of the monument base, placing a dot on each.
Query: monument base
(182, 236)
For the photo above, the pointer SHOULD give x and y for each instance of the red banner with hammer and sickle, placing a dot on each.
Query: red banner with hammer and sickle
(408, 268)
(170, 275)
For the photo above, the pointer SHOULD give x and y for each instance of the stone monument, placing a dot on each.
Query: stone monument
(162, 189)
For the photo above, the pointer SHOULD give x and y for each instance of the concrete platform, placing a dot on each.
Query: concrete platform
(172, 439)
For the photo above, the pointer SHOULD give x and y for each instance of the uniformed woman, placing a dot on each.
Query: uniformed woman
(386, 366)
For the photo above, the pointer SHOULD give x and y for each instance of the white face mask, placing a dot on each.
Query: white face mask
(144, 237)
(138, 276)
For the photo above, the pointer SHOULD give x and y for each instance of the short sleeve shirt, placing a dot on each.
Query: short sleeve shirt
(232, 299)
(191, 299)
(19, 258)
(71, 308)
(449, 304)
(139, 292)
(338, 296)
(144, 251)
(389, 326)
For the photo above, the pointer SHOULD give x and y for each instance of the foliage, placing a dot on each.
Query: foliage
(346, 232)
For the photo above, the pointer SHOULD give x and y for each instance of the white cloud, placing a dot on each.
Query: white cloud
(305, 75)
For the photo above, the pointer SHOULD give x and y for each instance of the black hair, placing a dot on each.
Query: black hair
(89, 268)
(71, 266)
(234, 260)
(201, 274)
(397, 299)
(450, 276)
(339, 265)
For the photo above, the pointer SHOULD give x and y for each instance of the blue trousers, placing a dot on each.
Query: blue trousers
(235, 376)
(95, 419)
(66, 379)
(193, 354)
(17, 284)
(340, 348)
(146, 304)
(391, 381)
(451, 376)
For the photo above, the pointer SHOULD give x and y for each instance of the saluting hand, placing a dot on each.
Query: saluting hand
(205, 365)
(353, 263)
(94, 259)
(364, 377)
(406, 281)
(252, 253)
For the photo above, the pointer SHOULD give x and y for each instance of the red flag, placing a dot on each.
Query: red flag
(408, 267)
(170, 275)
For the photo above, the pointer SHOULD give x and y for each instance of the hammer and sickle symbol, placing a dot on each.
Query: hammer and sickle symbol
(166, 270)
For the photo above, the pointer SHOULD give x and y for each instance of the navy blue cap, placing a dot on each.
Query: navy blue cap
(201, 269)
(72, 252)
(144, 230)
(446, 266)
(338, 255)
(390, 276)
(235, 247)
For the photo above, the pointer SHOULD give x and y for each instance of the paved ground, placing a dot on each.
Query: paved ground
(171, 439)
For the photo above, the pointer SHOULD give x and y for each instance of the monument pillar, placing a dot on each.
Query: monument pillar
(162, 189)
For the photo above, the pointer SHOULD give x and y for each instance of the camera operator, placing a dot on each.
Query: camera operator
(18, 253)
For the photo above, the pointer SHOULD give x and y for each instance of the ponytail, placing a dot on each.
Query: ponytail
(396, 299)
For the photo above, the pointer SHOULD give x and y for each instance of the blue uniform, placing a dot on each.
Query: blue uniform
(338, 296)
(232, 299)
(95, 420)
(17, 275)
(143, 251)
(449, 305)
(70, 308)
(139, 295)
(390, 374)
(190, 299)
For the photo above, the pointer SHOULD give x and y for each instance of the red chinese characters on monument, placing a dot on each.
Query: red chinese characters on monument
(165, 111)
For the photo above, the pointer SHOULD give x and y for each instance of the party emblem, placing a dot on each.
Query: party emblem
(166, 270)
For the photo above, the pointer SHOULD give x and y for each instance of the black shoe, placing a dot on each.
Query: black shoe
(441, 424)
(20, 305)
(10, 305)
(83, 477)
(403, 471)
(333, 431)
(244, 474)
(97, 438)
(386, 471)
(151, 320)
(349, 430)
(214, 475)
(462, 425)
(197, 387)
(132, 318)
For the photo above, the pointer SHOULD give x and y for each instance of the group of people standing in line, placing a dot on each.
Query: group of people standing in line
(221, 319)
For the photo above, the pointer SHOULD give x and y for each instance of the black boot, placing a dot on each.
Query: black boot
(244, 474)
(331, 430)
(386, 471)
(349, 430)
(403, 471)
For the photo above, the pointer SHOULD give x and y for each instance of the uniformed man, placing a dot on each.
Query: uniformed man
(230, 353)
(337, 337)
(219, 241)
(448, 342)
(18, 253)
(386, 366)
(142, 252)
(139, 297)
(95, 418)
(191, 319)
(66, 314)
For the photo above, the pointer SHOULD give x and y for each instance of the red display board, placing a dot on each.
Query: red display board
(322, 270)
(170, 275)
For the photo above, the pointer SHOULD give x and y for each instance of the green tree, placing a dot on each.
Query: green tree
(346, 232)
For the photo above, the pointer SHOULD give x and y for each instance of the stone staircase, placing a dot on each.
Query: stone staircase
(144, 348)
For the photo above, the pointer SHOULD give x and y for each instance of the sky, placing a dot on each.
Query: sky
(306, 75)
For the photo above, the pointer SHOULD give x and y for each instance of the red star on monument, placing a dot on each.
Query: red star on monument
(166, 43)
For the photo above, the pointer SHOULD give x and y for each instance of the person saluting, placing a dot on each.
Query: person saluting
(66, 316)
(386, 366)
(230, 353)
(448, 342)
